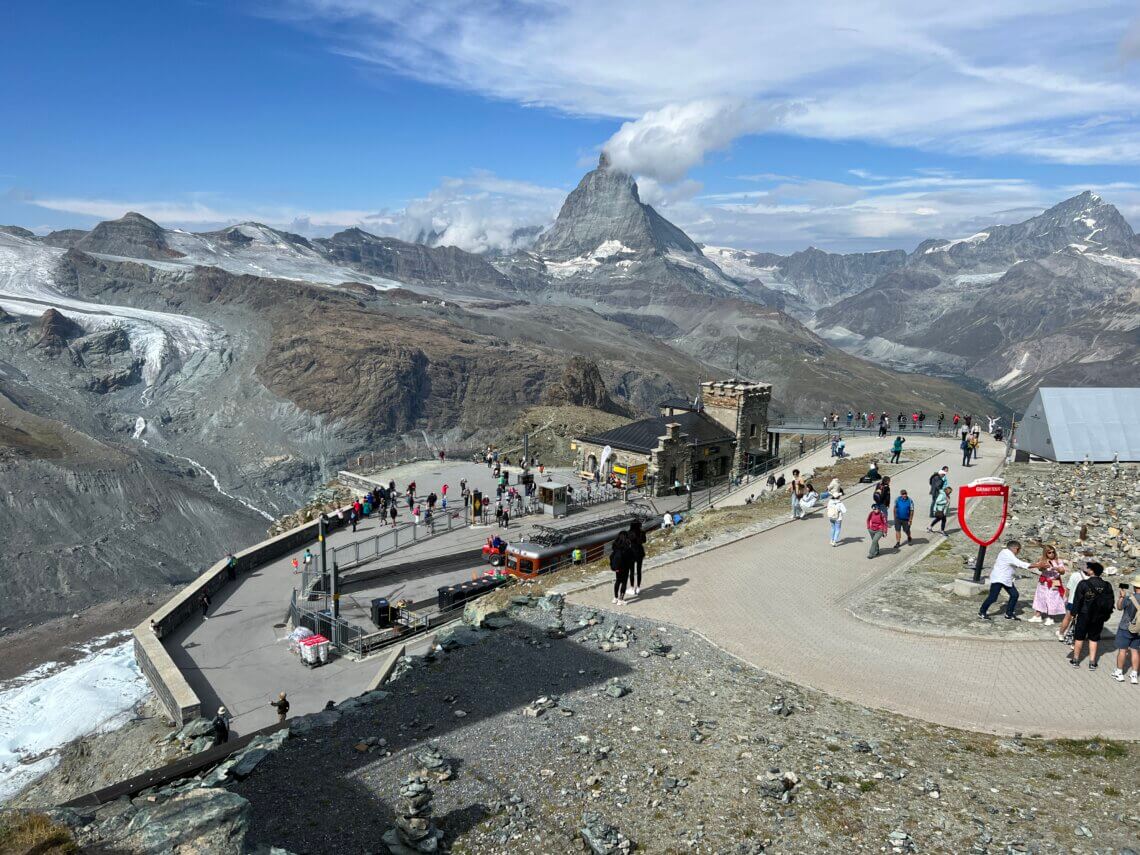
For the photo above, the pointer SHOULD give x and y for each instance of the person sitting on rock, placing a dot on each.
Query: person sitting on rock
(221, 727)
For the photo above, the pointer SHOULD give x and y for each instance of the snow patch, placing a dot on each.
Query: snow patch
(978, 238)
(48, 707)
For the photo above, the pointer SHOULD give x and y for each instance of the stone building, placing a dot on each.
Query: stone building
(719, 435)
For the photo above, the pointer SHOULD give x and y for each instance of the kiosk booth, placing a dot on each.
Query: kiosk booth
(552, 497)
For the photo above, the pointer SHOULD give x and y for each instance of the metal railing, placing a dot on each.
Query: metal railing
(394, 538)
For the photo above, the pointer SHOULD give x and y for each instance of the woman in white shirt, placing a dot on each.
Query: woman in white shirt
(835, 512)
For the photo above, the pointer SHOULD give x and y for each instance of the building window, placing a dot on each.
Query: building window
(752, 430)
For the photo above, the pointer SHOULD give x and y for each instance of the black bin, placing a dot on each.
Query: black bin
(324, 624)
(381, 613)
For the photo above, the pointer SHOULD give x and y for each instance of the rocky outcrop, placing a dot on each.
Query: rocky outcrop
(64, 238)
(132, 235)
(605, 208)
(55, 331)
(18, 232)
(581, 385)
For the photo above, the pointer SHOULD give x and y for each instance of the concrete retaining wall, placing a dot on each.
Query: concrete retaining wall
(180, 701)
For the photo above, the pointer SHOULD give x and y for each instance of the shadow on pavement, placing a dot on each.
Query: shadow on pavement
(664, 588)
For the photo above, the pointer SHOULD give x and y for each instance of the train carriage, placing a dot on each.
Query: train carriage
(552, 548)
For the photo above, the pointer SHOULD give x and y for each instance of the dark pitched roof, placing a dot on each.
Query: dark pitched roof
(678, 404)
(642, 435)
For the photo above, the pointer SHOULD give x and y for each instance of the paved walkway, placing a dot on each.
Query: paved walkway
(782, 601)
(240, 657)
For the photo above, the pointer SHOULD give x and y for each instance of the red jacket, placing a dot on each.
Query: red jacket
(876, 521)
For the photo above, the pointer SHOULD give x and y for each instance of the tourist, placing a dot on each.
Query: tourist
(392, 513)
(499, 514)
(914, 420)
(941, 419)
(882, 495)
(872, 474)
(1093, 603)
(1065, 631)
(231, 567)
(941, 510)
(797, 489)
(850, 418)
(835, 511)
(841, 448)
(221, 727)
(921, 420)
(771, 485)
(876, 528)
(780, 482)
(1049, 597)
(939, 481)
(352, 520)
(957, 419)
(282, 706)
(507, 517)
(967, 451)
(416, 513)
(1001, 578)
(637, 544)
(1128, 633)
(621, 560)
(896, 449)
(810, 499)
(832, 488)
(904, 513)
(204, 604)
(973, 442)
(666, 520)
(902, 421)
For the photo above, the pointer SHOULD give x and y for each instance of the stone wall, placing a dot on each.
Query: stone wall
(672, 453)
(742, 407)
(619, 457)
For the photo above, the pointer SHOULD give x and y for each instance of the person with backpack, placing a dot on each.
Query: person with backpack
(1128, 633)
(904, 513)
(1001, 578)
(882, 494)
(941, 510)
(621, 560)
(964, 446)
(876, 528)
(835, 511)
(939, 481)
(896, 449)
(1094, 605)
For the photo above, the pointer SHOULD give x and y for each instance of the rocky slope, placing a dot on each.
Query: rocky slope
(1050, 300)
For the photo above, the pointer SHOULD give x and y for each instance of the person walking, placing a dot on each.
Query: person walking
(797, 489)
(1128, 633)
(507, 517)
(352, 520)
(282, 707)
(882, 494)
(392, 512)
(876, 528)
(621, 559)
(1049, 596)
(973, 442)
(231, 567)
(904, 514)
(941, 419)
(499, 515)
(1001, 579)
(896, 449)
(835, 511)
(850, 418)
(941, 510)
(964, 445)
(637, 544)
(939, 481)
(1094, 605)
(204, 604)
(221, 727)
(1065, 630)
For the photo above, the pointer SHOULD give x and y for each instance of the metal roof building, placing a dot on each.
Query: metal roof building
(1072, 425)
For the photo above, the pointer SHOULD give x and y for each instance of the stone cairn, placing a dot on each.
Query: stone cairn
(414, 831)
(433, 764)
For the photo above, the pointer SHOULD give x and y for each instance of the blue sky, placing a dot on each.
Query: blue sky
(846, 125)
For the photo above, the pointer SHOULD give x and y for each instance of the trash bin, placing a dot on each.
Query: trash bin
(381, 613)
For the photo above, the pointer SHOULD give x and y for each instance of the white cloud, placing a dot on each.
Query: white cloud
(477, 213)
(665, 144)
(972, 76)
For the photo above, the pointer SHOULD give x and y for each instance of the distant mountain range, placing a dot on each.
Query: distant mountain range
(201, 376)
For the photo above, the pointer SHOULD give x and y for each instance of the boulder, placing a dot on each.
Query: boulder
(205, 821)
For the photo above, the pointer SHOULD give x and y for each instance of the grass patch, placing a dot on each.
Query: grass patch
(27, 832)
(1086, 748)
(867, 786)
(1111, 791)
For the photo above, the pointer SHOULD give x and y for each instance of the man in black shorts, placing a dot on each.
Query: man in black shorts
(1093, 603)
(904, 513)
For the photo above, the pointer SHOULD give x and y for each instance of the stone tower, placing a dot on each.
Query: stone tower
(742, 407)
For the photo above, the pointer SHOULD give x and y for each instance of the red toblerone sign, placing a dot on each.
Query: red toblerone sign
(983, 488)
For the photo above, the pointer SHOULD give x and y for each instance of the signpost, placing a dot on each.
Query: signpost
(983, 488)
